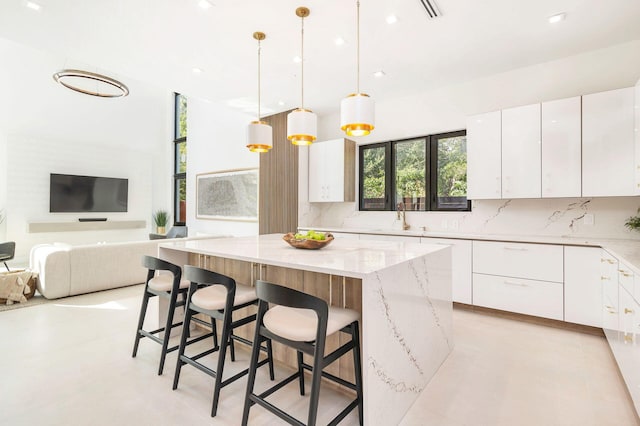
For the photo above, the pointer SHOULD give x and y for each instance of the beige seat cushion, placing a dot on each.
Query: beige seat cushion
(163, 281)
(214, 297)
(300, 324)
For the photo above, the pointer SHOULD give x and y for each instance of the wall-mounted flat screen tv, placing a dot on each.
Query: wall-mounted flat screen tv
(72, 194)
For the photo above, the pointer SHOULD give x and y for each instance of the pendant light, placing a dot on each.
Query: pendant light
(357, 111)
(302, 124)
(259, 133)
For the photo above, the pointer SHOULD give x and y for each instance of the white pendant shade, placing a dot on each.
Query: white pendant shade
(357, 114)
(259, 136)
(302, 127)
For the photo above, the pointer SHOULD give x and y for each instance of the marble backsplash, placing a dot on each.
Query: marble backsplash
(559, 217)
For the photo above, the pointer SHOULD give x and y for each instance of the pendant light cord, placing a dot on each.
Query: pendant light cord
(302, 63)
(259, 50)
(358, 49)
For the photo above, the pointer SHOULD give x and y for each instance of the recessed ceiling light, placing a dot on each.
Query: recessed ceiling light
(339, 41)
(557, 18)
(297, 59)
(392, 19)
(196, 70)
(33, 6)
(204, 4)
(379, 74)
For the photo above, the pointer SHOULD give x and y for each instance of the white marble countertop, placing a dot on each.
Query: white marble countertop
(627, 251)
(351, 258)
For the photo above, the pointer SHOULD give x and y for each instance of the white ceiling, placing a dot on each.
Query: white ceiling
(161, 41)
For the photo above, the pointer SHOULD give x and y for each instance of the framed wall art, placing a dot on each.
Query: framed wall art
(227, 195)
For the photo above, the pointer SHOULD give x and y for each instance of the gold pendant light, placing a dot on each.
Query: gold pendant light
(357, 111)
(302, 124)
(259, 133)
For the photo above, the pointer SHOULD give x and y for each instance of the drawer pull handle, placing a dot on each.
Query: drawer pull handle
(611, 311)
(516, 248)
(624, 273)
(628, 338)
(609, 261)
(605, 278)
(516, 284)
(608, 307)
(628, 311)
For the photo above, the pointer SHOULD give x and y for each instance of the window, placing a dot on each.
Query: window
(180, 161)
(426, 174)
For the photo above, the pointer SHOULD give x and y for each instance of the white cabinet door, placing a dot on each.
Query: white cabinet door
(583, 285)
(332, 171)
(561, 148)
(608, 157)
(530, 297)
(609, 278)
(521, 152)
(521, 260)
(461, 267)
(484, 156)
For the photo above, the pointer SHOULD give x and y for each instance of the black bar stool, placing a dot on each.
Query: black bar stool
(165, 285)
(303, 322)
(217, 296)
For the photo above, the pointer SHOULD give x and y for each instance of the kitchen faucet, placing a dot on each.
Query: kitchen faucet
(400, 212)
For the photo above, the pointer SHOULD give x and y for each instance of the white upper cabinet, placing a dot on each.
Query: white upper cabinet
(332, 171)
(521, 151)
(484, 156)
(608, 154)
(561, 148)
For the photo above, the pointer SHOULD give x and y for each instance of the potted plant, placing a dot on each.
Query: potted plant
(161, 219)
(633, 223)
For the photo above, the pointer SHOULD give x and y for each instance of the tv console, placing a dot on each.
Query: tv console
(92, 219)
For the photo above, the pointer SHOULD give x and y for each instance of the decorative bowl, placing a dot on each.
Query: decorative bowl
(304, 243)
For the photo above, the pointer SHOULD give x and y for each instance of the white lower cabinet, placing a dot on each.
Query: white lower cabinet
(461, 267)
(583, 285)
(390, 238)
(346, 235)
(530, 297)
(519, 277)
(609, 279)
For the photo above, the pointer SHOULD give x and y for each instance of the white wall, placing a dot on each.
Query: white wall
(446, 110)
(216, 142)
(50, 129)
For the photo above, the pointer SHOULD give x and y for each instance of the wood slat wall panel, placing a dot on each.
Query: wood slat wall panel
(349, 170)
(278, 193)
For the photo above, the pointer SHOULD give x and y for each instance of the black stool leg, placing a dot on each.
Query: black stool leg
(143, 312)
(183, 344)
(315, 382)
(357, 365)
(272, 375)
(221, 355)
(232, 347)
(300, 372)
(167, 331)
(251, 380)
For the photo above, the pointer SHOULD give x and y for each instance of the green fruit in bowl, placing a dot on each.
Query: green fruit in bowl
(299, 236)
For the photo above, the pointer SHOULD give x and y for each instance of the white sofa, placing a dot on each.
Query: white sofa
(66, 270)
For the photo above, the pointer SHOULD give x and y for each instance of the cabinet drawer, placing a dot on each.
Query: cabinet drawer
(541, 262)
(539, 298)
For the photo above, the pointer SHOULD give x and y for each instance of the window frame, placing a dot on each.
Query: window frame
(177, 176)
(431, 173)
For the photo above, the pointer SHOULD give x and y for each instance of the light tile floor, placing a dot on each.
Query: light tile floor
(69, 363)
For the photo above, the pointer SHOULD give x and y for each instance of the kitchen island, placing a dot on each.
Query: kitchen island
(403, 291)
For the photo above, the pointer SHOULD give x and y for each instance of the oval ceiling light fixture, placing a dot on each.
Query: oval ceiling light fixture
(357, 111)
(259, 133)
(302, 124)
(91, 83)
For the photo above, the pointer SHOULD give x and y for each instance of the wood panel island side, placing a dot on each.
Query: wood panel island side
(402, 290)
